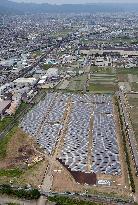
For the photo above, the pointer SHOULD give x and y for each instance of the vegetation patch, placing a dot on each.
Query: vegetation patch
(5, 122)
(4, 142)
(101, 88)
(13, 204)
(20, 192)
(10, 172)
(134, 87)
(132, 184)
(46, 66)
(22, 106)
(127, 71)
(62, 200)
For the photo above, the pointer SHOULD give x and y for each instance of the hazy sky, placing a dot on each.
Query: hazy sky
(78, 1)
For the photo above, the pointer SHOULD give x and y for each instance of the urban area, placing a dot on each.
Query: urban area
(69, 108)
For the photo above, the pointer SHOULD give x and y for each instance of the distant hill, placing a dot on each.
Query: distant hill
(10, 7)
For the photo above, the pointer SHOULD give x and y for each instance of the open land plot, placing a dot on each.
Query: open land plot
(80, 78)
(10, 148)
(131, 102)
(101, 88)
(102, 82)
(33, 175)
(18, 159)
(102, 70)
(62, 33)
(76, 85)
(126, 85)
(133, 71)
(72, 86)
(63, 85)
(122, 77)
(5, 122)
(134, 86)
(89, 150)
(132, 78)
(103, 79)
(133, 109)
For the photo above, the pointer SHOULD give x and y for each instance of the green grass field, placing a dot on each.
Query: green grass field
(77, 83)
(127, 71)
(47, 66)
(4, 142)
(102, 70)
(134, 87)
(62, 200)
(16, 172)
(101, 88)
(5, 122)
(133, 102)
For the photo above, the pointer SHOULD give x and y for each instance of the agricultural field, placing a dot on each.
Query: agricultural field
(108, 79)
(102, 82)
(101, 88)
(77, 83)
(133, 71)
(102, 70)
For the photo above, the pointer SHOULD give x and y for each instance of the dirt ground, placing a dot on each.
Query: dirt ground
(19, 150)
(122, 77)
(33, 175)
(63, 181)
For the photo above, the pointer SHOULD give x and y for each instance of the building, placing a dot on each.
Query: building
(25, 81)
(52, 72)
(102, 62)
(4, 105)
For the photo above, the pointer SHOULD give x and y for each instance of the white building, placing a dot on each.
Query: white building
(25, 81)
(52, 72)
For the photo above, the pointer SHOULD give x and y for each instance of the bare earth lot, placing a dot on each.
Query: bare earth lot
(20, 152)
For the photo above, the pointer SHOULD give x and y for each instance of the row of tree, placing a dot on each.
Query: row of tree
(20, 192)
(126, 151)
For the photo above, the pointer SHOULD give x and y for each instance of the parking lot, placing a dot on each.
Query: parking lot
(90, 143)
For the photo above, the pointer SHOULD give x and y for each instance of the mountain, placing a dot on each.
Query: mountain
(10, 7)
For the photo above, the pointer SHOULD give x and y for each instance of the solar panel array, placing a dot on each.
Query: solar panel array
(46, 121)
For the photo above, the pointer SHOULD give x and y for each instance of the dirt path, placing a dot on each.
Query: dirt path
(90, 144)
(48, 178)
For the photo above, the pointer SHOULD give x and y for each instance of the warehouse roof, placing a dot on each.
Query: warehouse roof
(4, 104)
(25, 80)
